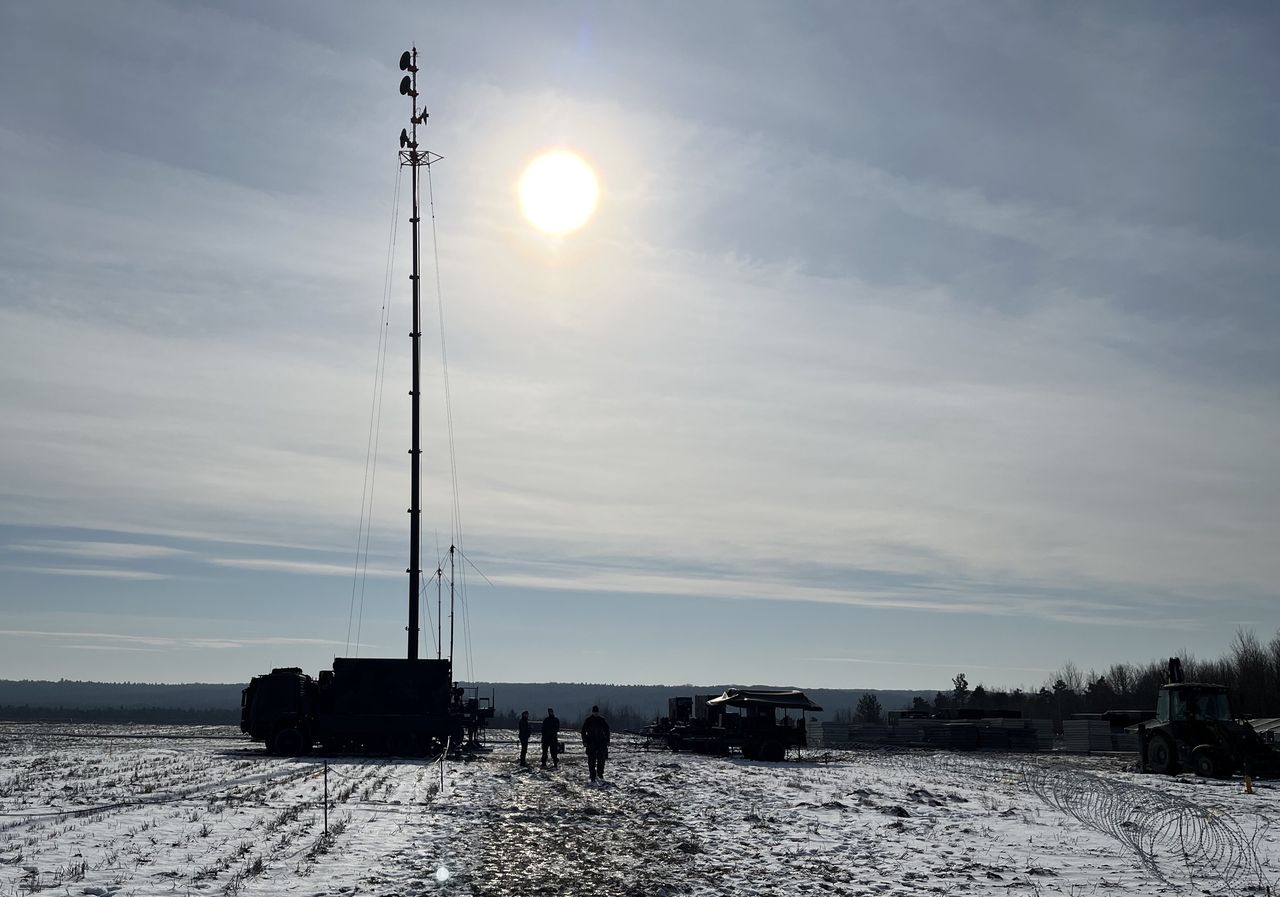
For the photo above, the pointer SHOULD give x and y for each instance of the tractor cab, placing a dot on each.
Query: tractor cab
(1193, 701)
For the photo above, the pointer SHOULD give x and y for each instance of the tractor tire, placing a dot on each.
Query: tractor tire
(1160, 755)
(1208, 765)
(288, 743)
(773, 751)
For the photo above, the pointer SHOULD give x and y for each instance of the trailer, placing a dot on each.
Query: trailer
(743, 720)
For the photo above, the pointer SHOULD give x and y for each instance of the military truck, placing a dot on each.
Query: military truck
(363, 705)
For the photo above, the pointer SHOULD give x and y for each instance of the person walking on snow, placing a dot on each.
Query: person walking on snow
(595, 738)
(551, 739)
(524, 737)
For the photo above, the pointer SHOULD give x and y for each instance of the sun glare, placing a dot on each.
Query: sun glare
(558, 192)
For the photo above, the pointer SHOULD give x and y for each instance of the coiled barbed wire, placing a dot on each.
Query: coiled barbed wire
(1180, 842)
(1209, 845)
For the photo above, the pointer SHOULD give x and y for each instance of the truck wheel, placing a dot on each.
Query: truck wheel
(288, 743)
(1160, 754)
(750, 750)
(1207, 764)
(773, 751)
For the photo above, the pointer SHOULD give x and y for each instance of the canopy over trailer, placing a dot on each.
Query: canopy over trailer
(759, 698)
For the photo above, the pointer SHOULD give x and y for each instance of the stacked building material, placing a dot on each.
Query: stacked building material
(1027, 741)
(954, 736)
(1023, 735)
(1084, 735)
(1268, 728)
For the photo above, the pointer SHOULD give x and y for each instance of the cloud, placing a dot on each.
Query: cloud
(164, 642)
(1044, 602)
(311, 568)
(90, 572)
(98, 550)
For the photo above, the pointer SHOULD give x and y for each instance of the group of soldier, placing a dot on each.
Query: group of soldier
(595, 740)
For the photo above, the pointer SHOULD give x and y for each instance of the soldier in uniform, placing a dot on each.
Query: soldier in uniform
(551, 739)
(524, 737)
(595, 738)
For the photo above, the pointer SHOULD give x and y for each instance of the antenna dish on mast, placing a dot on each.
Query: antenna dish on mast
(406, 62)
(404, 139)
(406, 87)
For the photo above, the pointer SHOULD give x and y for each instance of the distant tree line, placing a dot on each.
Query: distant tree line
(869, 710)
(1250, 669)
(76, 693)
(632, 706)
(625, 706)
(621, 719)
(169, 716)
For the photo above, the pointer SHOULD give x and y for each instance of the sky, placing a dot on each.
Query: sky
(907, 339)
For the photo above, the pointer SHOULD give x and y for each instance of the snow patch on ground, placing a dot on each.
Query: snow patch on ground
(121, 811)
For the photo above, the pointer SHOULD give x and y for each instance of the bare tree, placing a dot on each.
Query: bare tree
(1121, 677)
(1252, 672)
(1074, 679)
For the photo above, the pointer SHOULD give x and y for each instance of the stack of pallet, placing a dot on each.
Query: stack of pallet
(843, 735)
(826, 735)
(1044, 732)
(954, 736)
(1023, 735)
(1026, 734)
(1084, 735)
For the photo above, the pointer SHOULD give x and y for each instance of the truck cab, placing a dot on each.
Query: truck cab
(281, 701)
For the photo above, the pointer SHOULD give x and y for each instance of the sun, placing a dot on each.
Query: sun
(558, 192)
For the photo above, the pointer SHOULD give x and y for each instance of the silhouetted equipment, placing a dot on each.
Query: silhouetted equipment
(739, 719)
(402, 706)
(1194, 729)
(380, 705)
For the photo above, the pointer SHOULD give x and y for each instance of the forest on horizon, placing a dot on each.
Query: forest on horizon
(1250, 668)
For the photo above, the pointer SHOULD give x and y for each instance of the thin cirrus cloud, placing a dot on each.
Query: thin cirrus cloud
(86, 572)
(161, 643)
(314, 568)
(98, 550)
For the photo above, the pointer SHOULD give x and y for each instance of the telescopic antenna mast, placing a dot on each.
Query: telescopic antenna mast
(414, 158)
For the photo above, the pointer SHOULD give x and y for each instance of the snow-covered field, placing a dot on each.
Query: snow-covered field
(130, 811)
